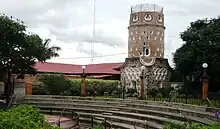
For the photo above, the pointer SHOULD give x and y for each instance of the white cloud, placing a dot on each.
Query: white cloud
(69, 24)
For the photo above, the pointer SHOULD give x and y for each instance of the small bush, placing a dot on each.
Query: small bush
(56, 84)
(23, 117)
(96, 87)
(39, 88)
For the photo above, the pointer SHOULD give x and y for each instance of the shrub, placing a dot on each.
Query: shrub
(165, 91)
(39, 88)
(59, 85)
(95, 86)
(56, 84)
(23, 117)
(152, 92)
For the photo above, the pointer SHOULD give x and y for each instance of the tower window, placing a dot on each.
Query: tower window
(158, 33)
(146, 51)
(139, 37)
(151, 32)
(140, 53)
(148, 37)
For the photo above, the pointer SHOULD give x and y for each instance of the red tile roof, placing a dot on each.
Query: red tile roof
(96, 69)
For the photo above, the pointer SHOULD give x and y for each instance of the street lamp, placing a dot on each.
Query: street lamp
(142, 96)
(83, 87)
(205, 79)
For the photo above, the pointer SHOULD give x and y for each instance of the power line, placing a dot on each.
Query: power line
(87, 57)
(116, 54)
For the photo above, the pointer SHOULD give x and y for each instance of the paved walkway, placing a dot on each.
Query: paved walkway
(53, 118)
(65, 123)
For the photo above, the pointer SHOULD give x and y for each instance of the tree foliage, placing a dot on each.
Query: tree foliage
(19, 50)
(202, 44)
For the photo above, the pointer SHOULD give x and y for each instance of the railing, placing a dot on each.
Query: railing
(11, 99)
(105, 123)
(62, 114)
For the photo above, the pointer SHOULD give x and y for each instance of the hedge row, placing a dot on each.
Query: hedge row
(59, 85)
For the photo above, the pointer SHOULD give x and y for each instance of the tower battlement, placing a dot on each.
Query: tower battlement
(146, 8)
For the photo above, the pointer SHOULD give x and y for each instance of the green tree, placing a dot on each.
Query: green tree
(20, 50)
(202, 44)
(54, 84)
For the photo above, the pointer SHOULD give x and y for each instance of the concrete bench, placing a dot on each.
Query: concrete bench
(125, 120)
(86, 121)
(161, 113)
(105, 105)
(117, 100)
(159, 110)
(177, 116)
(151, 120)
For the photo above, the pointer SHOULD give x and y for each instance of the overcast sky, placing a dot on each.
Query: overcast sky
(69, 24)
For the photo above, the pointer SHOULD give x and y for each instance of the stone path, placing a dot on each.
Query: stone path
(53, 118)
(65, 123)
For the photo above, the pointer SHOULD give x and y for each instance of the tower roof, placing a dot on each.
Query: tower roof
(146, 8)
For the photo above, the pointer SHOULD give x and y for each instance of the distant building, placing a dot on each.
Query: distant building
(99, 71)
(146, 48)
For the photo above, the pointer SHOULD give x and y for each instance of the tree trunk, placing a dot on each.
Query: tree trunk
(8, 87)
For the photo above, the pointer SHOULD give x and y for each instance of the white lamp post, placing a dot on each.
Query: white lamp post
(83, 87)
(205, 79)
(142, 96)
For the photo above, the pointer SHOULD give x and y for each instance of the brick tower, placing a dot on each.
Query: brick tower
(146, 26)
(145, 66)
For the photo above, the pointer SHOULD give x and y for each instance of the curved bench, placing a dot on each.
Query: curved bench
(125, 113)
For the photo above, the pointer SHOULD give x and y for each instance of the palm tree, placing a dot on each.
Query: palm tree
(50, 51)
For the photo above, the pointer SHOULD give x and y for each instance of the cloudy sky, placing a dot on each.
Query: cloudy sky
(69, 23)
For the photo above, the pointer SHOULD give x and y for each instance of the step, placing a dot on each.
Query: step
(203, 108)
(188, 112)
(158, 107)
(140, 113)
(70, 104)
(86, 122)
(115, 109)
(107, 114)
(124, 126)
(99, 120)
(171, 109)
(157, 119)
(125, 120)
(176, 116)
